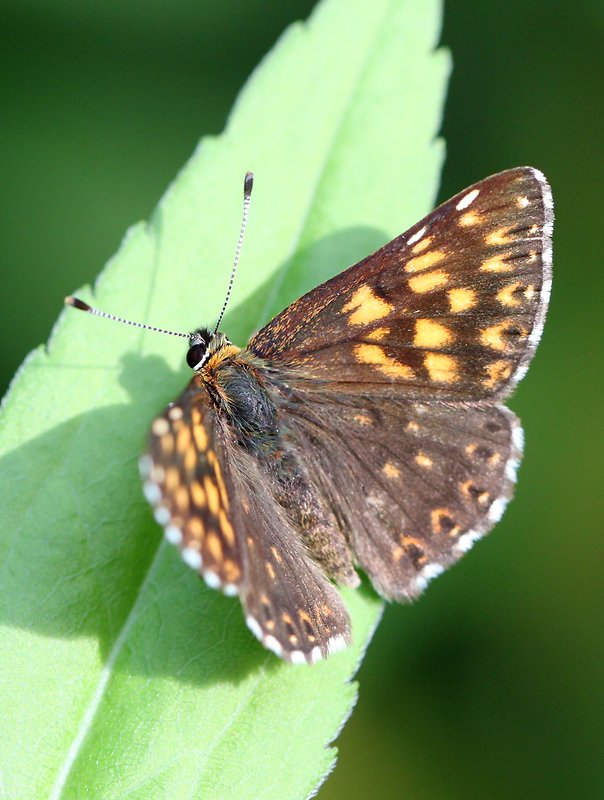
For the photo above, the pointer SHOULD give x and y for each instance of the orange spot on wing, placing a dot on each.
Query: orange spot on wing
(461, 299)
(472, 492)
(366, 307)
(195, 528)
(425, 261)
(493, 336)
(304, 616)
(529, 292)
(375, 356)
(172, 479)
(226, 528)
(497, 371)
(421, 245)
(428, 282)
(466, 486)
(190, 459)
(166, 445)
(181, 499)
(423, 460)
(221, 487)
(429, 333)
(231, 572)
(469, 218)
(441, 368)
(378, 334)
(183, 439)
(197, 494)
(413, 548)
(212, 495)
(499, 236)
(508, 295)
(213, 546)
(442, 522)
(200, 436)
(390, 470)
(495, 264)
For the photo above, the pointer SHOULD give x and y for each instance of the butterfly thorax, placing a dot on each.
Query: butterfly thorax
(240, 387)
(239, 394)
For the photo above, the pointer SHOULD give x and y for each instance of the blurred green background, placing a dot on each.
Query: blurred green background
(492, 686)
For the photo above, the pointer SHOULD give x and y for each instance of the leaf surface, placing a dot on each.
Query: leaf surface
(123, 675)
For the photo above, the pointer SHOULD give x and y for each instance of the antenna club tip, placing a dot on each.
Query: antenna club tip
(248, 184)
(76, 303)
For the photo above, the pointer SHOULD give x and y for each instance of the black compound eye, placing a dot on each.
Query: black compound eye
(195, 354)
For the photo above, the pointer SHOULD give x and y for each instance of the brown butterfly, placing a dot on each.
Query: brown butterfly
(363, 426)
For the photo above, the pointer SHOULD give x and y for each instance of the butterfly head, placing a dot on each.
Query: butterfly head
(199, 346)
(203, 343)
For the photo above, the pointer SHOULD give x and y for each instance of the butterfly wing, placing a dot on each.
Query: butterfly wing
(452, 309)
(290, 605)
(215, 504)
(389, 365)
(413, 484)
(185, 482)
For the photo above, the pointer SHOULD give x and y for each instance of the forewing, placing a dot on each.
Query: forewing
(184, 480)
(453, 308)
(414, 485)
(217, 506)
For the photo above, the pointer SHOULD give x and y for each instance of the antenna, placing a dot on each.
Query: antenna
(248, 185)
(77, 303)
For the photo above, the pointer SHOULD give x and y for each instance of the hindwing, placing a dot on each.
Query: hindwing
(219, 508)
(413, 484)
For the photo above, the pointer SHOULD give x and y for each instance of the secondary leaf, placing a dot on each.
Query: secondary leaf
(123, 674)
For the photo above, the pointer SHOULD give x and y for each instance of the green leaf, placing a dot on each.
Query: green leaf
(123, 675)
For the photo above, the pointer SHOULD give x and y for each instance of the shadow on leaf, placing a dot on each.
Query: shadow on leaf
(87, 559)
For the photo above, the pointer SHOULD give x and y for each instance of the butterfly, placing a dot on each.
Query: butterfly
(363, 427)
